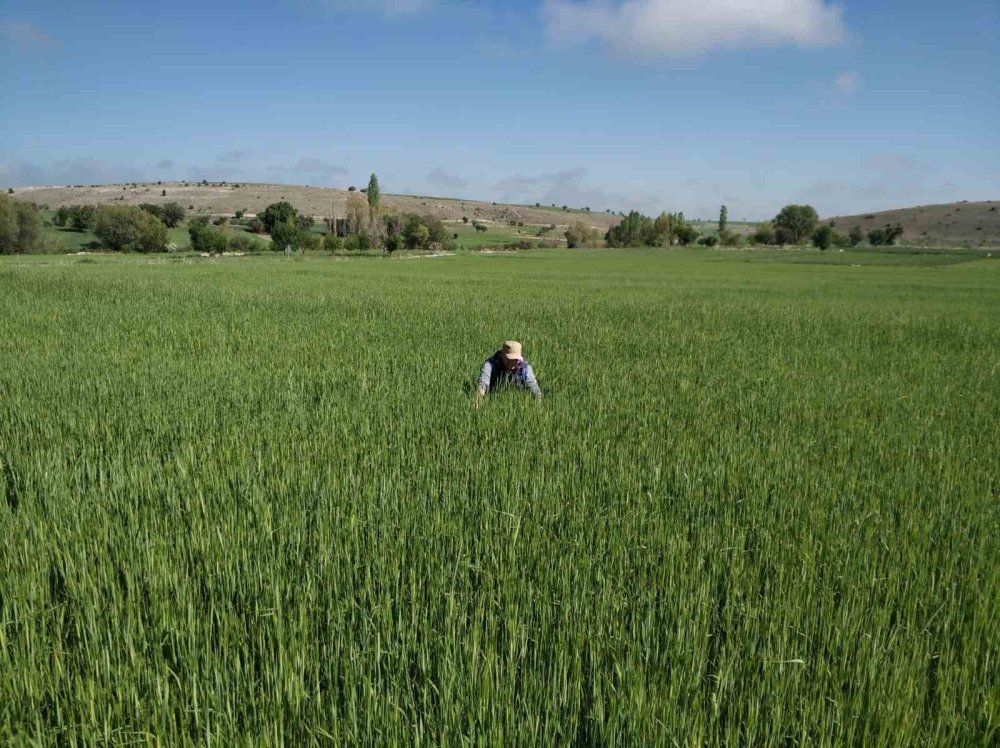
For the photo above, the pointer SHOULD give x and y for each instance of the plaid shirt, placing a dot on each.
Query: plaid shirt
(494, 374)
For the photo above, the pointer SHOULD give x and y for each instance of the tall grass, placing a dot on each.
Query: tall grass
(249, 502)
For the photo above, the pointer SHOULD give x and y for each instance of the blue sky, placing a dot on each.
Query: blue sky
(648, 104)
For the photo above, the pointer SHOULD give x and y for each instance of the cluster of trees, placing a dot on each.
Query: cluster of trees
(20, 226)
(170, 214)
(128, 228)
(637, 230)
(797, 223)
(79, 217)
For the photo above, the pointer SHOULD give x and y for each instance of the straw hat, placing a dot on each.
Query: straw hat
(511, 350)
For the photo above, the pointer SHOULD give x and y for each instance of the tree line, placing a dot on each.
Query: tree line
(366, 224)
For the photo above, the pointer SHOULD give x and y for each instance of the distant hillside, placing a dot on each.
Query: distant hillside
(950, 224)
(227, 198)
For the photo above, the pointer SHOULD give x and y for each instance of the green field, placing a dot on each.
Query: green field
(247, 500)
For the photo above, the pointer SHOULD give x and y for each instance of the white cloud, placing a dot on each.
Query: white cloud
(687, 27)
(847, 83)
(27, 36)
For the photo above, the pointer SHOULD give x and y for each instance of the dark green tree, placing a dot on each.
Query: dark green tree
(373, 198)
(171, 214)
(129, 228)
(794, 223)
(855, 236)
(723, 218)
(277, 213)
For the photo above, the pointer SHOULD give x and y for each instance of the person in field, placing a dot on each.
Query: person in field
(506, 368)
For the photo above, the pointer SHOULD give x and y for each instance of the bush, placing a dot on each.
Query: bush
(729, 238)
(304, 222)
(708, 241)
(256, 226)
(220, 220)
(393, 243)
(153, 210)
(172, 214)
(465, 219)
(20, 226)
(479, 227)
(332, 242)
(238, 214)
(128, 228)
(275, 213)
(885, 236)
(855, 236)
(358, 242)
(62, 216)
(243, 242)
(823, 237)
(579, 234)
(205, 238)
(83, 217)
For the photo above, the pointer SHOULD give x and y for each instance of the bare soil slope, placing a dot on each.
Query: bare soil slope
(950, 224)
(227, 198)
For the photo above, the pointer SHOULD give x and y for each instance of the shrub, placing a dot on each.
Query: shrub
(10, 190)
(20, 226)
(393, 243)
(352, 188)
(304, 222)
(763, 233)
(358, 242)
(171, 214)
(823, 237)
(885, 236)
(256, 226)
(220, 220)
(275, 213)
(729, 238)
(243, 242)
(579, 234)
(153, 210)
(855, 236)
(238, 214)
(708, 241)
(465, 219)
(332, 242)
(83, 217)
(205, 238)
(479, 227)
(128, 228)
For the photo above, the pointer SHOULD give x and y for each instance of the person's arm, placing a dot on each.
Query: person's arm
(530, 382)
(483, 386)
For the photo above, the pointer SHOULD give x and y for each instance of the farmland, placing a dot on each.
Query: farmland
(247, 500)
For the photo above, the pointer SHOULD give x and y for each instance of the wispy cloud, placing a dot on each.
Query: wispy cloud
(847, 83)
(232, 157)
(441, 178)
(688, 27)
(27, 36)
(570, 187)
(167, 163)
(67, 172)
(390, 8)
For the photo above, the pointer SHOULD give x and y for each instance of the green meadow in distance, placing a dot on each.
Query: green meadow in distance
(247, 500)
